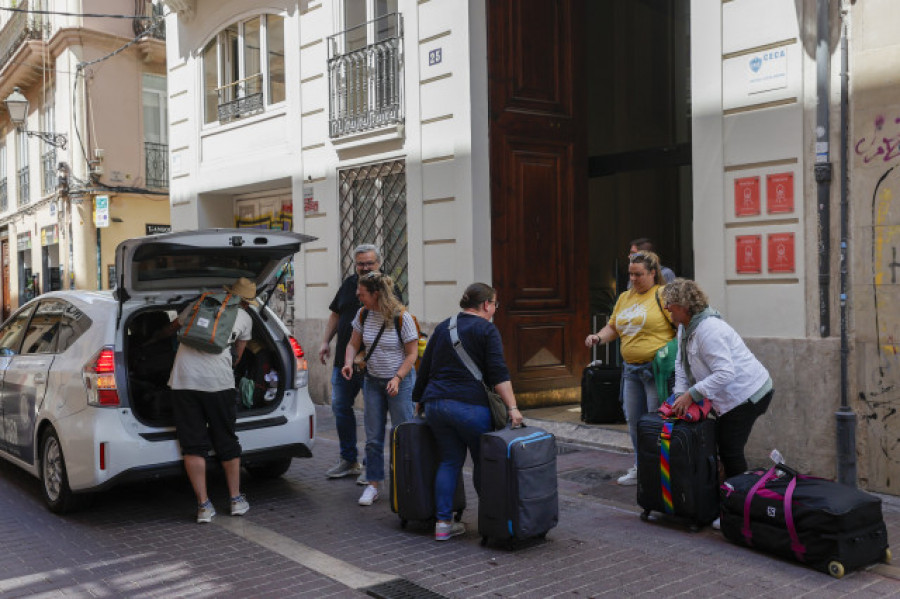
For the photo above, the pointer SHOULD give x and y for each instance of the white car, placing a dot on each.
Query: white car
(84, 403)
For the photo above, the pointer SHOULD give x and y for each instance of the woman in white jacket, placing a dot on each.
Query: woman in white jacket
(713, 362)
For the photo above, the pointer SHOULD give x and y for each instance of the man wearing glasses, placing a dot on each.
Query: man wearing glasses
(343, 308)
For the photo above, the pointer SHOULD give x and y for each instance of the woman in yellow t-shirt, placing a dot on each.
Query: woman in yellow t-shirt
(643, 326)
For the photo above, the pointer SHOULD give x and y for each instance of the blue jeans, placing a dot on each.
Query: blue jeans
(639, 396)
(377, 405)
(343, 392)
(456, 426)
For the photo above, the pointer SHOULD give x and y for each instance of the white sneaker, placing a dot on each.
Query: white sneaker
(629, 478)
(369, 495)
(717, 524)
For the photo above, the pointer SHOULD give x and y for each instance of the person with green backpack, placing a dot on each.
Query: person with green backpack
(202, 383)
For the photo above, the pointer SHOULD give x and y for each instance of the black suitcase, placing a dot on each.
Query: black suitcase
(826, 525)
(600, 404)
(414, 462)
(519, 497)
(689, 488)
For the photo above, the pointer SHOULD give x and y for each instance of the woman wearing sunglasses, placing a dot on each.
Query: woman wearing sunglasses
(389, 374)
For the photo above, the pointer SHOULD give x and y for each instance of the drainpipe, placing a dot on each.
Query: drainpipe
(846, 418)
(822, 168)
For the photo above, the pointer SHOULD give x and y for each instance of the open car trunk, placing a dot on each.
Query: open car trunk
(149, 361)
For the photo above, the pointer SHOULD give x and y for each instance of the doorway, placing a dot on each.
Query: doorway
(590, 122)
(639, 139)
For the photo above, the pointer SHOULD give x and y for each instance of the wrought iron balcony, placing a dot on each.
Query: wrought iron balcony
(24, 188)
(241, 98)
(366, 83)
(20, 27)
(4, 200)
(156, 161)
(48, 170)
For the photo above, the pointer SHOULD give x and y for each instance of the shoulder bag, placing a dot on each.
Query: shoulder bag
(499, 411)
(360, 360)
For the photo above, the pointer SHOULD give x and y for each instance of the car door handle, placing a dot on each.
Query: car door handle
(40, 379)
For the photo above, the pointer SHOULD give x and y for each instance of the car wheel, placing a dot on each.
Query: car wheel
(272, 469)
(54, 480)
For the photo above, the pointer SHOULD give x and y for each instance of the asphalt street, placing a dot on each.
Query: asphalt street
(305, 536)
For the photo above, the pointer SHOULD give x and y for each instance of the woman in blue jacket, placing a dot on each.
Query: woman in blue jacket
(455, 403)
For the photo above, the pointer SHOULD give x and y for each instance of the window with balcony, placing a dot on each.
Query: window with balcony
(4, 199)
(373, 210)
(23, 25)
(156, 140)
(365, 68)
(22, 174)
(48, 151)
(243, 69)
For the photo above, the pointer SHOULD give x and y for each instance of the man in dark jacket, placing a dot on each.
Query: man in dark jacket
(343, 308)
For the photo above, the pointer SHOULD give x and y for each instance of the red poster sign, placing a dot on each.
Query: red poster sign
(781, 252)
(780, 193)
(746, 196)
(748, 254)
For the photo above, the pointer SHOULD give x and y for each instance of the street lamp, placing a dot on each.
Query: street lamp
(17, 105)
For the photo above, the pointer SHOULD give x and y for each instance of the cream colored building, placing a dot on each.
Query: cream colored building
(481, 141)
(111, 108)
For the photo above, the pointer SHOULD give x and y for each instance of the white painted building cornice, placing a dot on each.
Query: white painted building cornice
(184, 8)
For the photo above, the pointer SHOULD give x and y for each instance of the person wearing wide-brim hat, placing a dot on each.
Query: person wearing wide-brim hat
(203, 404)
(245, 289)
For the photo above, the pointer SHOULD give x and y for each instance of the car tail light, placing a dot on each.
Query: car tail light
(301, 378)
(100, 379)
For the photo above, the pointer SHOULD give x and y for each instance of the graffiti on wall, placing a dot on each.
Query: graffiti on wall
(880, 391)
(883, 143)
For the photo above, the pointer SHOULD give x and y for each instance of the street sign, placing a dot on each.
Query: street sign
(101, 211)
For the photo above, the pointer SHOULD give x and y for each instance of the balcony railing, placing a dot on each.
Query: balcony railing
(4, 200)
(156, 161)
(20, 27)
(366, 83)
(24, 189)
(241, 98)
(48, 172)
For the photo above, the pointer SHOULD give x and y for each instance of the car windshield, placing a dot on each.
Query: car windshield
(171, 266)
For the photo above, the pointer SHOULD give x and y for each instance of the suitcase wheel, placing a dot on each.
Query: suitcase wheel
(836, 569)
(645, 515)
(887, 555)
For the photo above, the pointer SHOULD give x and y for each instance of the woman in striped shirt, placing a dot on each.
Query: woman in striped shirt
(391, 352)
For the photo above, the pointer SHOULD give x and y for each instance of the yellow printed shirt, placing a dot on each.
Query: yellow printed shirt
(641, 325)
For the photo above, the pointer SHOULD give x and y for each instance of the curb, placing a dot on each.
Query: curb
(585, 434)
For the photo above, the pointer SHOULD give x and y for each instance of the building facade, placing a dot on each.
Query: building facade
(525, 143)
(96, 126)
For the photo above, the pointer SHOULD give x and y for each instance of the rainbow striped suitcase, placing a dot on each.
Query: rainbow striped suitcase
(677, 469)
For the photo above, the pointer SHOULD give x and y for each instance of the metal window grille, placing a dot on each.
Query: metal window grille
(373, 210)
(48, 171)
(4, 200)
(24, 191)
(156, 161)
(366, 84)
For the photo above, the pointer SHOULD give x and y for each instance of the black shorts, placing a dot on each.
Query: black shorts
(205, 420)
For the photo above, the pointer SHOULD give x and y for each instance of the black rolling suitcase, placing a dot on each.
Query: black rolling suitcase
(826, 525)
(414, 462)
(600, 394)
(519, 497)
(677, 469)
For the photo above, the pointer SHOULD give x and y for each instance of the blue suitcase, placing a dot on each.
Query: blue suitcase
(519, 497)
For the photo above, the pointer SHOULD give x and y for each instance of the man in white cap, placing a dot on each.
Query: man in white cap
(204, 405)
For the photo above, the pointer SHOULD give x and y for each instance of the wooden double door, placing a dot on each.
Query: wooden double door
(538, 154)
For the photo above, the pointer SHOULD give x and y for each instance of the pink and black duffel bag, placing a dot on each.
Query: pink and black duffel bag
(826, 525)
